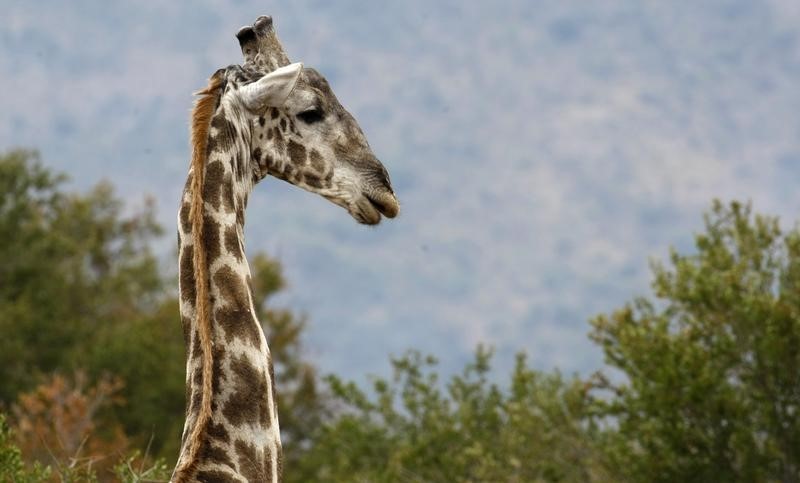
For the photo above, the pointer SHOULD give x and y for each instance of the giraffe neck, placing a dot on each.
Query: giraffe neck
(241, 441)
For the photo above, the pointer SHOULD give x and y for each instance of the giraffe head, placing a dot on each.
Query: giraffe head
(299, 132)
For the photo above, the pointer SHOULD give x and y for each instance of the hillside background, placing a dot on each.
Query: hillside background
(542, 151)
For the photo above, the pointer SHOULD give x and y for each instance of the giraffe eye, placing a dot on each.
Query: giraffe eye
(312, 115)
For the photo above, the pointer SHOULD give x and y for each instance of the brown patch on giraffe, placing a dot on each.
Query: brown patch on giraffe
(240, 324)
(250, 465)
(236, 319)
(218, 432)
(186, 280)
(232, 244)
(261, 121)
(269, 133)
(211, 239)
(239, 162)
(197, 351)
(231, 287)
(224, 141)
(227, 194)
(214, 454)
(211, 145)
(186, 326)
(186, 222)
(297, 153)
(188, 468)
(274, 113)
(266, 163)
(226, 131)
(249, 401)
(197, 393)
(216, 476)
(313, 180)
(212, 185)
(316, 161)
(349, 149)
(218, 374)
(283, 124)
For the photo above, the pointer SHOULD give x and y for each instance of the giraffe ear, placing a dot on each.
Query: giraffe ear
(273, 89)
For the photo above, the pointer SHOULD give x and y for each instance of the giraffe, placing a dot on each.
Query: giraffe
(264, 117)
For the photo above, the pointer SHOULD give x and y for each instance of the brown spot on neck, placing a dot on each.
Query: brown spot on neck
(316, 161)
(186, 280)
(233, 244)
(248, 404)
(232, 288)
(215, 174)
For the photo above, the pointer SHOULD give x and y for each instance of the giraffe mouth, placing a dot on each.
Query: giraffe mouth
(385, 203)
(370, 207)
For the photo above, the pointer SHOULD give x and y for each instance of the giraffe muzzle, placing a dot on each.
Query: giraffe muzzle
(386, 203)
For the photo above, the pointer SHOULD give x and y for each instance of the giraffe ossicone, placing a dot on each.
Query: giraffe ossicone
(260, 45)
(264, 117)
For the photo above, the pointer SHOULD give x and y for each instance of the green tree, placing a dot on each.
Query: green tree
(81, 289)
(12, 468)
(146, 351)
(413, 429)
(711, 386)
(69, 264)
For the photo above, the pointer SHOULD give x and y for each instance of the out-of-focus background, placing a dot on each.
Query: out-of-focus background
(543, 152)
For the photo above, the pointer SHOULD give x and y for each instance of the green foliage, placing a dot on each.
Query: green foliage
(69, 264)
(134, 470)
(12, 468)
(147, 352)
(413, 429)
(83, 291)
(712, 369)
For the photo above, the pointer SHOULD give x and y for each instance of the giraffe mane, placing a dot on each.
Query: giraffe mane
(203, 111)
